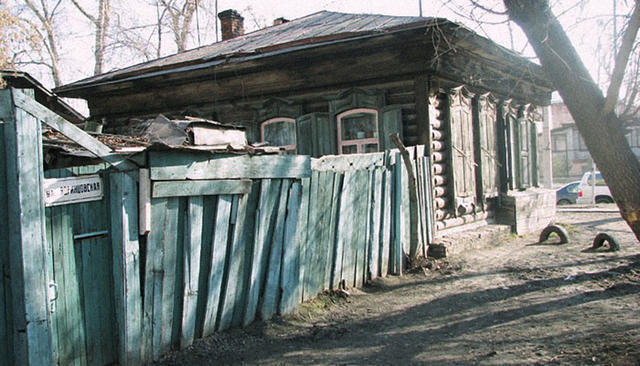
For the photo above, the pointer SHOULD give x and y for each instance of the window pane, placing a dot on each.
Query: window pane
(349, 149)
(368, 148)
(280, 133)
(358, 126)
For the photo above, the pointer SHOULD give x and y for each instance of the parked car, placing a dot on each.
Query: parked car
(568, 193)
(586, 193)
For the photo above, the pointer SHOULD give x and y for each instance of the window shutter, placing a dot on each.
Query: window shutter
(316, 136)
(304, 133)
(390, 122)
(523, 149)
(462, 154)
(487, 154)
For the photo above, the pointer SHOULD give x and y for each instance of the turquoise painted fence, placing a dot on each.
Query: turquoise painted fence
(217, 261)
(231, 239)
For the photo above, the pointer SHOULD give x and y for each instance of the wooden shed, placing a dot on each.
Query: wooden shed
(332, 83)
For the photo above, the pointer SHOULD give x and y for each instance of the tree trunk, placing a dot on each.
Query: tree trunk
(603, 134)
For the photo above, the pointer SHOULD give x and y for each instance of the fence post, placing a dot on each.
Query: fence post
(126, 265)
(30, 329)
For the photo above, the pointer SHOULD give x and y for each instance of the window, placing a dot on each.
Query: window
(280, 132)
(358, 131)
(559, 143)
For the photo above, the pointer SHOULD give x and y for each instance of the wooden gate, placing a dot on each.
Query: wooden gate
(80, 268)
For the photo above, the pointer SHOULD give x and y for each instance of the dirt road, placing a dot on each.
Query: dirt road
(517, 302)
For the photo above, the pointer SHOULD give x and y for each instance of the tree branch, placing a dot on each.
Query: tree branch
(622, 59)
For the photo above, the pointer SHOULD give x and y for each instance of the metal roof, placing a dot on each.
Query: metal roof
(311, 29)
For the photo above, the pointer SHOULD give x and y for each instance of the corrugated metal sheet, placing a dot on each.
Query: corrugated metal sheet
(317, 27)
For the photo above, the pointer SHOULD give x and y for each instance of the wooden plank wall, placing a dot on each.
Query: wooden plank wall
(219, 260)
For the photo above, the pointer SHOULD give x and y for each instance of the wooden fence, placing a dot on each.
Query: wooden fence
(196, 243)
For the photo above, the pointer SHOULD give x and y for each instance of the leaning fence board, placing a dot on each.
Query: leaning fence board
(301, 237)
(343, 231)
(350, 232)
(334, 199)
(386, 229)
(191, 248)
(291, 252)
(200, 187)
(325, 186)
(398, 229)
(313, 236)
(247, 240)
(218, 255)
(265, 219)
(152, 320)
(233, 299)
(31, 332)
(4, 254)
(209, 204)
(126, 264)
(176, 328)
(189, 165)
(271, 292)
(376, 223)
(169, 239)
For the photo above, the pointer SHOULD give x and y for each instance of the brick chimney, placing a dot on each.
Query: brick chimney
(231, 24)
(280, 20)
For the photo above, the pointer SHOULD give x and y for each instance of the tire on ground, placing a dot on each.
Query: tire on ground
(559, 230)
(599, 240)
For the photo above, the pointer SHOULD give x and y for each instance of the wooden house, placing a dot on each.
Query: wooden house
(333, 83)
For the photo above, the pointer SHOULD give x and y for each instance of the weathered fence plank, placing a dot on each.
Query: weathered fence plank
(31, 324)
(386, 229)
(398, 214)
(192, 166)
(126, 265)
(191, 248)
(218, 256)
(6, 348)
(234, 302)
(291, 252)
(376, 223)
(200, 187)
(265, 220)
(171, 241)
(209, 204)
(154, 275)
(334, 198)
(271, 294)
(301, 238)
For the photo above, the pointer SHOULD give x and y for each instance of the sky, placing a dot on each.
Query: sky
(585, 24)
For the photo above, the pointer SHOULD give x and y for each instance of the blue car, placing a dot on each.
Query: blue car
(567, 194)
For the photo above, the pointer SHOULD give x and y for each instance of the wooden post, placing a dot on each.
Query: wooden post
(126, 265)
(414, 241)
(30, 328)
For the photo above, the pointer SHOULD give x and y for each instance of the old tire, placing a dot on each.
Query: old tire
(563, 202)
(599, 240)
(604, 199)
(559, 230)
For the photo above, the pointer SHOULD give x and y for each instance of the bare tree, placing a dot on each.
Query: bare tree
(594, 114)
(101, 24)
(181, 15)
(44, 21)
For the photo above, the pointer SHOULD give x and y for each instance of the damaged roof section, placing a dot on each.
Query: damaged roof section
(159, 134)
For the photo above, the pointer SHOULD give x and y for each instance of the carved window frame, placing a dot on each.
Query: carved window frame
(358, 142)
(289, 148)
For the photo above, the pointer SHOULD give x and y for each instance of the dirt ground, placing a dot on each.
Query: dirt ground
(515, 302)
